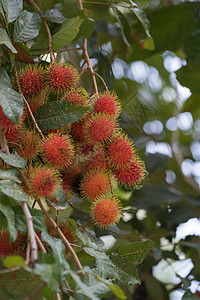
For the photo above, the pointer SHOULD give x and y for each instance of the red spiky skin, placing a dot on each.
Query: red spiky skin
(29, 144)
(106, 211)
(120, 152)
(77, 97)
(61, 77)
(132, 175)
(44, 182)
(108, 103)
(58, 150)
(71, 179)
(99, 128)
(14, 248)
(96, 160)
(77, 127)
(95, 183)
(31, 80)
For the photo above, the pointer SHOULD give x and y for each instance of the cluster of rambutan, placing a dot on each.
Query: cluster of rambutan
(86, 158)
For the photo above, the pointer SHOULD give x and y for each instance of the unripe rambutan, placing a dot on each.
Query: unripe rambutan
(15, 248)
(29, 144)
(77, 97)
(99, 128)
(120, 152)
(106, 211)
(60, 77)
(58, 150)
(44, 181)
(94, 184)
(108, 103)
(131, 175)
(31, 80)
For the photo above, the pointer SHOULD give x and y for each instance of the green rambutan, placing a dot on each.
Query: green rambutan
(44, 182)
(77, 97)
(99, 128)
(94, 184)
(31, 80)
(106, 211)
(131, 175)
(60, 77)
(120, 152)
(107, 102)
(58, 150)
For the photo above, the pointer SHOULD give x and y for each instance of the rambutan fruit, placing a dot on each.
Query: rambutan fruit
(106, 211)
(77, 127)
(31, 80)
(60, 77)
(77, 97)
(99, 128)
(71, 179)
(29, 144)
(44, 181)
(107, 102)
(94, 184)
(96, 160)
(15, 248)
(131, 175)
(120, 151)
(58, 150)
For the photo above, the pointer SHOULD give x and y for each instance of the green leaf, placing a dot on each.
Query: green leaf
(189, 76)
(13, 261)
(140, 14)
(66, 34)
(54, 16)
(4, 78)
(156, 161)
(126, 269)
(8, 212)
(12, 9)
(56, 114)
(86, 28)
(11, 103)
(135, 251)
(10, 174)
(38, 219)
(61, 200)
(13, 160)
(188, 295)
(116, 290)
(13, 190)
(26, 27)
(125, 28)
(4, 40)
(94, 239)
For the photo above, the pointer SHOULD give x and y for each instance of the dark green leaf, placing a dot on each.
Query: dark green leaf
(189, 76)
(13, 190)
(26, 27)
(13, 160)
(156, 161)
(11, 103)
(10, 174)
(125, 28)
(86, 28)
(13, 261)
(38, 219)
(12, 9)
(4, 78)
(189, 296)
(8, 212)
(4, 40)
(92, 236)
(66, 34)
(57, 114)
(54, 16)
(154, 288)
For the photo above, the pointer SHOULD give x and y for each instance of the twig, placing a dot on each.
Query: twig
(58, 297)
(63, 238)
(101, 80)
(9, 270)
(40, 243)
(46, 27)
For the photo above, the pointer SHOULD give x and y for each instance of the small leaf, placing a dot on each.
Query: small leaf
(4, 78)
(23, 54)
(54, 16)
(26, 27)
(12, 9)
(56, 114)
(10, 174)
(66, 34)
(61, 200)
(11, 103)
(13, 160)
(86, 28)
(13, 261)
(4, 40)
(13, 190)
(125, 28)
(8, 212)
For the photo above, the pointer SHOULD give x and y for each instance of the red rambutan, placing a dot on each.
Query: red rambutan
(99, 128)
(44, 181)
(77, 97)
(31, 80)
(120, 152)
(96, 160)
(108, 103)
(94, 184)
(58, 150)
(29, 144)
(72, 178)
(106, 211)
(14, 248)
(61, 77)
(131, 175)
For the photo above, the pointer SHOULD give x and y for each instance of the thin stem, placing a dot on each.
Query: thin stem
(101, 80)
(40, 243)
(9, 270)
